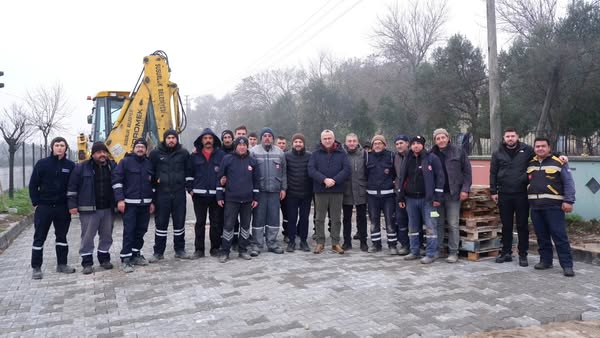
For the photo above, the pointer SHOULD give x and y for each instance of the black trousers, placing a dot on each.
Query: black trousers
(45, 216)
(514, 206)
(170, 205)
(361, 222)
(204, 205)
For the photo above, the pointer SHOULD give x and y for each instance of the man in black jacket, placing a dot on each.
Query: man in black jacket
(48, 193)
(90, 193)
(173, 172)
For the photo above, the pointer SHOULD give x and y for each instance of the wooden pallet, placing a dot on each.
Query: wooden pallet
(478, 212)
(480, 221)
(480, 245)
(477, 256)
(485, 232)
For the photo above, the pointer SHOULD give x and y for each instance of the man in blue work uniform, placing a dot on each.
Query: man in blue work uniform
(90, 193)
(133, 189)
(551, 194)
(48, 193)
(206, 162)
(173, 172)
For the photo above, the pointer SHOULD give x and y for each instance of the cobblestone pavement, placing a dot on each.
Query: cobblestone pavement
(297, 294)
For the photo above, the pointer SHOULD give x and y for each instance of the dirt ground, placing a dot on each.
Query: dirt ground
(575, 329)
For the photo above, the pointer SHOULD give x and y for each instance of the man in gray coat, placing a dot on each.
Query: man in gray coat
(355, 194)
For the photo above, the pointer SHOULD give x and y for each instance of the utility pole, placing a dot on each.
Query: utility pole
(494, 81)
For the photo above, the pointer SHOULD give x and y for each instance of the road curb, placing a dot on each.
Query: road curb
(13, 231)
(579, 254)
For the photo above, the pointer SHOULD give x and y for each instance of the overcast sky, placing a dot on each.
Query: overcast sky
(89, 46)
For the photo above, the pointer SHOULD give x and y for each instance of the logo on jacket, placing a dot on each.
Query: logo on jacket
(217, 169)
(249, 168)
(65, 170)
(429, 168)
(386, 171)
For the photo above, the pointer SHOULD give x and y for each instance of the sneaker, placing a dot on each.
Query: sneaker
(452, 258)
(254, 252)
(568, 272)
(139, 260)
(393, 251)
(276, 250)
(523, 261)
(347, 246)
(107, 265)
(88, 269)
(304, 246)
(64, 268)
(155, 258)
(542, 266)
(126, 266)
(214, 252)
(403, 251)
(244, 255)
(182, 255)
(37, 273)
(364, 247)
(411, 257)
(427, 260)
(291, 247)
(504, 258)
(374, 249)
(223, 258)
(198, 254)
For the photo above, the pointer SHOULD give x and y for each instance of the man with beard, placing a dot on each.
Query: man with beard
(227, 141)
(133, 186)
(401, 216)
(282, 144)
(90, 193)
(173, 173)
(355, 195)
(205, 166)
(298, 194)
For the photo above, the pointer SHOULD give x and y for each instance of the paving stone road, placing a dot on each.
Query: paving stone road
(299, 294)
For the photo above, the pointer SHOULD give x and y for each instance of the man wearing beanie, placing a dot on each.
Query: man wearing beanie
(355, 194)
(402, 147)
(227, 141)
(329, 168)
(298, 194)
(48, 194)
(173, 174)
(238, 194)
(421, 190)
(205, 166)
(273, 184)
(458, 180)
(90, 193)
(132, 183)
(380, 172)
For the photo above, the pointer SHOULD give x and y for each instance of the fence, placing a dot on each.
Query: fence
(25, 159)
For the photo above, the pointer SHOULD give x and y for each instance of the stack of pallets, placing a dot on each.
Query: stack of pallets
(480, 228)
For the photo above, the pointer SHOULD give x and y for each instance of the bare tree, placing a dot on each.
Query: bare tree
(48, 110)
(525, 17)
(15, 128)
(406, 36)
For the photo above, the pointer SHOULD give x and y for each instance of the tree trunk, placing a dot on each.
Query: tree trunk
(11, 171)
(543, 124)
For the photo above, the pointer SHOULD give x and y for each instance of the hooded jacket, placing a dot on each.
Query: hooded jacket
(329, 164)
(205, 171)
(172, 167)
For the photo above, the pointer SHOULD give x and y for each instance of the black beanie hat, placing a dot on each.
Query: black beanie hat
(226, 131)
(418, 138)
(140, 141)
(58, 139)
(99, 145)
(170, 132)
(240, 140)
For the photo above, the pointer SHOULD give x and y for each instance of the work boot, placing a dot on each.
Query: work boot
(286, 239)
(223, 258)
(276, 250)
(139, 260)
(198, 254)
(452, 258)
(364, 247)
(356, 236)
(403, 251)
(411, 257)
(64, 268)
(254, 252)
(374, 248)
(523, 261)
(568, 272)
(427, 260)
(106, 265)
(542, 266)
(337, 249)
(347, 246)
(319, 249)
(244, 255)
(155, 258)
(214, 252)
(182, 255)
(88, 269)
(126, 266)
(393, 251)
(304, 246)
(505, 257)
(291, 247)
(37, 273)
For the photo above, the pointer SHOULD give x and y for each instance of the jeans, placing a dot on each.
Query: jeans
(509, 205)
(449, 213)
(401, 218)
(385, 204)
(266, 220)
(298, 209)
(549, 225)
(421, 211)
